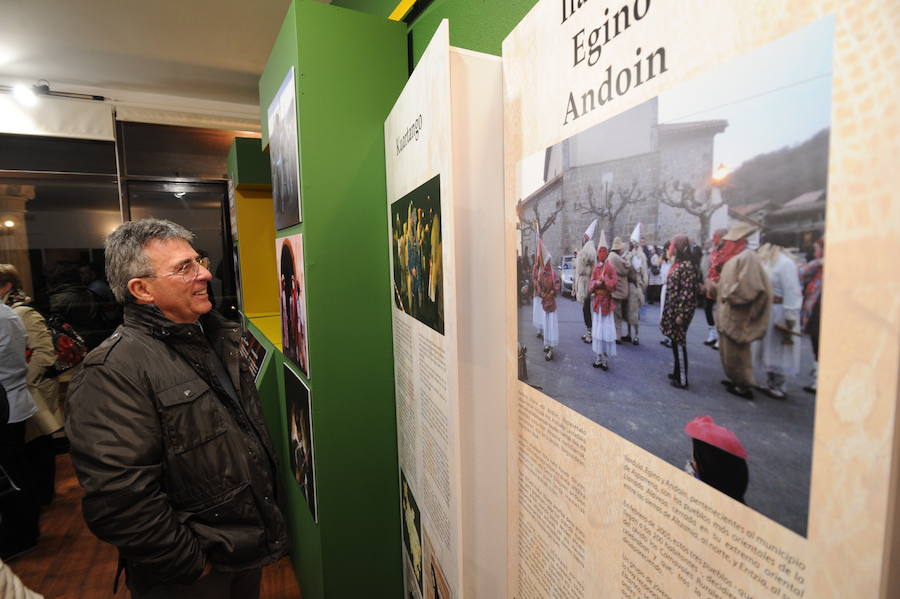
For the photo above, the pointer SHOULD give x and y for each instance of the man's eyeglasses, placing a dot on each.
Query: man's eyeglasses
(188, 271)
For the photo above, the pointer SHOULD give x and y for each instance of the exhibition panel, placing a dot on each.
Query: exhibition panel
(673, 168)
(444, 161)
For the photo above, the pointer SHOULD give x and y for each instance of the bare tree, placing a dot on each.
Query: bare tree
(609, 206)
(679, 194)
(528, 224)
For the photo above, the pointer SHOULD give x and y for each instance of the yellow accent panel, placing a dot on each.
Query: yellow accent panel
(256, 246)
(401, 9)
(270, 326)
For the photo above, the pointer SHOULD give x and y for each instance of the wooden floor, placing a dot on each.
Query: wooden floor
(71, 563)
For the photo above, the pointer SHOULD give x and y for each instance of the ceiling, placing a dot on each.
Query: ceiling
(202, 49)
(199, 56)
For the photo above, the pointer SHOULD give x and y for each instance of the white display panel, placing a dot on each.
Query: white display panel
(443, 145)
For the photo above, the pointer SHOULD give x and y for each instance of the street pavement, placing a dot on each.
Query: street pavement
(635, 400)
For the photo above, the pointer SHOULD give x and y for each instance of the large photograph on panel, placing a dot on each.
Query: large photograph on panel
(283, 154)
(292, 295)
(670, 270)
(300, 441)
(416, 250)
(411, 520)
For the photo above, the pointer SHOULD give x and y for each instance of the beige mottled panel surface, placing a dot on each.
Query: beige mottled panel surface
(843, 555)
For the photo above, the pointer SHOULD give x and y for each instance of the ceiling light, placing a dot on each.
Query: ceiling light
(25, 95)
(28, 96)
(9, 224)
(179, 194)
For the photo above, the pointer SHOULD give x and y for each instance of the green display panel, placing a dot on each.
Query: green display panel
(349, 67)
(248, 166)
(474, 24)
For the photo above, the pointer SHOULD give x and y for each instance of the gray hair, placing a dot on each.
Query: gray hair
(125, 257)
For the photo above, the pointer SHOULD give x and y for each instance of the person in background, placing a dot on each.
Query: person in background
(537, 312)
(779, 350)
(811, 278)
(19, 512)
(744, 296)
(620, 295)
(713, 271)
(654, 280)
(584, 266)
(681, 300)
(44, 389)
(637, 287)
(603, 283)
(718, 458)
(548, 287)
(665, 267)
(70, 298)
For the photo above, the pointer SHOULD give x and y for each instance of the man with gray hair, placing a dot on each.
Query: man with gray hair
(166, 431)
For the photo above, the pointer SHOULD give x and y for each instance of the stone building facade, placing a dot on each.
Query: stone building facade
(628, 158)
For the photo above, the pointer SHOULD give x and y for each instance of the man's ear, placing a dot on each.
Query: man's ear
(140, 290)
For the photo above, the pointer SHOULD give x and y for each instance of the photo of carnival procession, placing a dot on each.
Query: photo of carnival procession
(670, 266)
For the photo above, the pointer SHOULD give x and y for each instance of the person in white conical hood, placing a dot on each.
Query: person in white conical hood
(779, 350)
(537, 313)
(637, 284)
(584, 266)
(548, 287)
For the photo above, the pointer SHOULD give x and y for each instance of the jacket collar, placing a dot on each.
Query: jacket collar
(149, 319)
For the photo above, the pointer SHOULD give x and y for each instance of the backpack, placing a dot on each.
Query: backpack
(70, 348)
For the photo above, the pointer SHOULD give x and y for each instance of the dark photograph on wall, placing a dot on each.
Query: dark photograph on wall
(292, 293)
(236, 260)
(436, 585)
(253, 353)
(284, 154)
(232, 210)
(412, 529)
(670, 267)
(300, 441)
(417, 253)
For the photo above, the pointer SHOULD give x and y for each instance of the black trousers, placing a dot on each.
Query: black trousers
(812, 327)
(681, 363)
(19, 512)
(586, 312)
(41, 458)
(215, 585)
(708, 305)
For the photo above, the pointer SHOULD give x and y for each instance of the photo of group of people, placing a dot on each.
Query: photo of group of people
(300, 441)
(283, 154)
(292, 292)
(412, 530)
(670, 265)
(417, 253)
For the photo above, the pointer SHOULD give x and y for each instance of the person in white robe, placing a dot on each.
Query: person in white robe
(584, 266)
(779, 350)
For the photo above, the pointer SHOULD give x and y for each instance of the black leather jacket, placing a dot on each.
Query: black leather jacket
(177, 470)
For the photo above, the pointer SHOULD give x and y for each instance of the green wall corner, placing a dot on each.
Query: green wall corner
(248, 165)
(349, 70)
